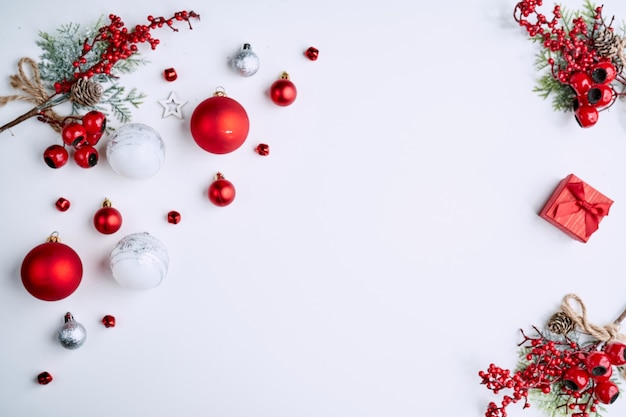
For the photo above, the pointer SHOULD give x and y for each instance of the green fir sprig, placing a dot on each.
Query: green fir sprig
(61, 49)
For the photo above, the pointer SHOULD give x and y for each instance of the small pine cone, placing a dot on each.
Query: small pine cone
(560, 323)
(607, 43)
(85, 92)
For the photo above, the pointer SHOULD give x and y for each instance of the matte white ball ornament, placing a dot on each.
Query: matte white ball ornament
(139, 261)
(136, 150)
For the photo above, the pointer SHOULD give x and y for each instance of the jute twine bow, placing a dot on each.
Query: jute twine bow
(84, 92)
(604, 333)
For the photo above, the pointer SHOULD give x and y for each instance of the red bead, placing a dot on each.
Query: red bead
(44, 378)
(170, 74)
(598, 364)
(86, 156)
(173, 217)
(312, 53)
(606, 392)
(263, 149)
(56, 156)
(221, 192)
(108, 321)
(62, 204)
(575, 378)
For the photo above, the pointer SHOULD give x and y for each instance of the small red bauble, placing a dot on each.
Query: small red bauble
(312, 53)
(221, 191)
(598, 364)
(108, 321)
(74, 134)
(170, 74)
(219, 124)
(62, 204)
(51, 271)
(616, 352)
(263, 149)
(283, 92)
(107, 220)
(56, 156)
(44, 378)
(606, 392)
(173, 217)
(86, 156)
(575, 378)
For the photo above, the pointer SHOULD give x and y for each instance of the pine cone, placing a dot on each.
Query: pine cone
(609, 45)
(560, 323)
(85, 92)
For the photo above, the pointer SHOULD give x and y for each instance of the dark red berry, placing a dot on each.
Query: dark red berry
(93, 138)
(94, 122)
(575, 378)
(74, 134)
(56, 156)
(616, 352)
(580, 82)
(603, 73)
(586, 115)
(86, 156)
(598, 364)
(606, 392)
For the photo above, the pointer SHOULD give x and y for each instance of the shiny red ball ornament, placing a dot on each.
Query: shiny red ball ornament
(73, 134)
(56, 156)
(616, 351)
(575, 378)
(606, 392)
(86, 156)
(51, 271)
(219, 124)
(44, 378)
(598, 364)
(221, 191)
(283, 92)
(108, 321)
(107, 220)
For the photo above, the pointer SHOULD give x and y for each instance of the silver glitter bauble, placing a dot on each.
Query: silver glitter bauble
(246, 62)
(73, 334)
(139, 261)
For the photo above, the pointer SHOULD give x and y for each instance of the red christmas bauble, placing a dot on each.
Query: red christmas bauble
(221, 191)
(51, 271)
(107, 220)
(283, 92)
(219, 124)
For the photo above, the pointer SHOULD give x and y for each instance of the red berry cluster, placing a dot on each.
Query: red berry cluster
(120, 43)
(580, 373)
(82, 134)
(573, 56)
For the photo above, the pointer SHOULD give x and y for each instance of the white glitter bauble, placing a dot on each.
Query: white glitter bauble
(246, 63)
(139, 261)
(136, 151)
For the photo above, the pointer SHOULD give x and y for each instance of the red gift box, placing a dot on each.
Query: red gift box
(576, 208)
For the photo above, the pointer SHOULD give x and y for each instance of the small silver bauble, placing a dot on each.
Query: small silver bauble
(246, 63)
(73, 334)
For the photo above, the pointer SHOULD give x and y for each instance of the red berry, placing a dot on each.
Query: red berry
(598, 364)
(56, 156)
(586, 116)
(93, 138)
(74, 134)
(600, 95)
(616, 352)
(94, 122)
(580, 82)
(606, 392)
(86, 156)
(603, 73)
(575, 378)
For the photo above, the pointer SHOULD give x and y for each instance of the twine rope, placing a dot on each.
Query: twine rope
(604, 333)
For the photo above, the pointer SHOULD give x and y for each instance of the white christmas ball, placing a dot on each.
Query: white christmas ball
(136, 150)
(139, 261)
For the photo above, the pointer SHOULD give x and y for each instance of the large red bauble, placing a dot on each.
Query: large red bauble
(51, 271)
(219, 124)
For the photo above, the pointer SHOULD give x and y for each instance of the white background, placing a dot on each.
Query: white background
(386, 250)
